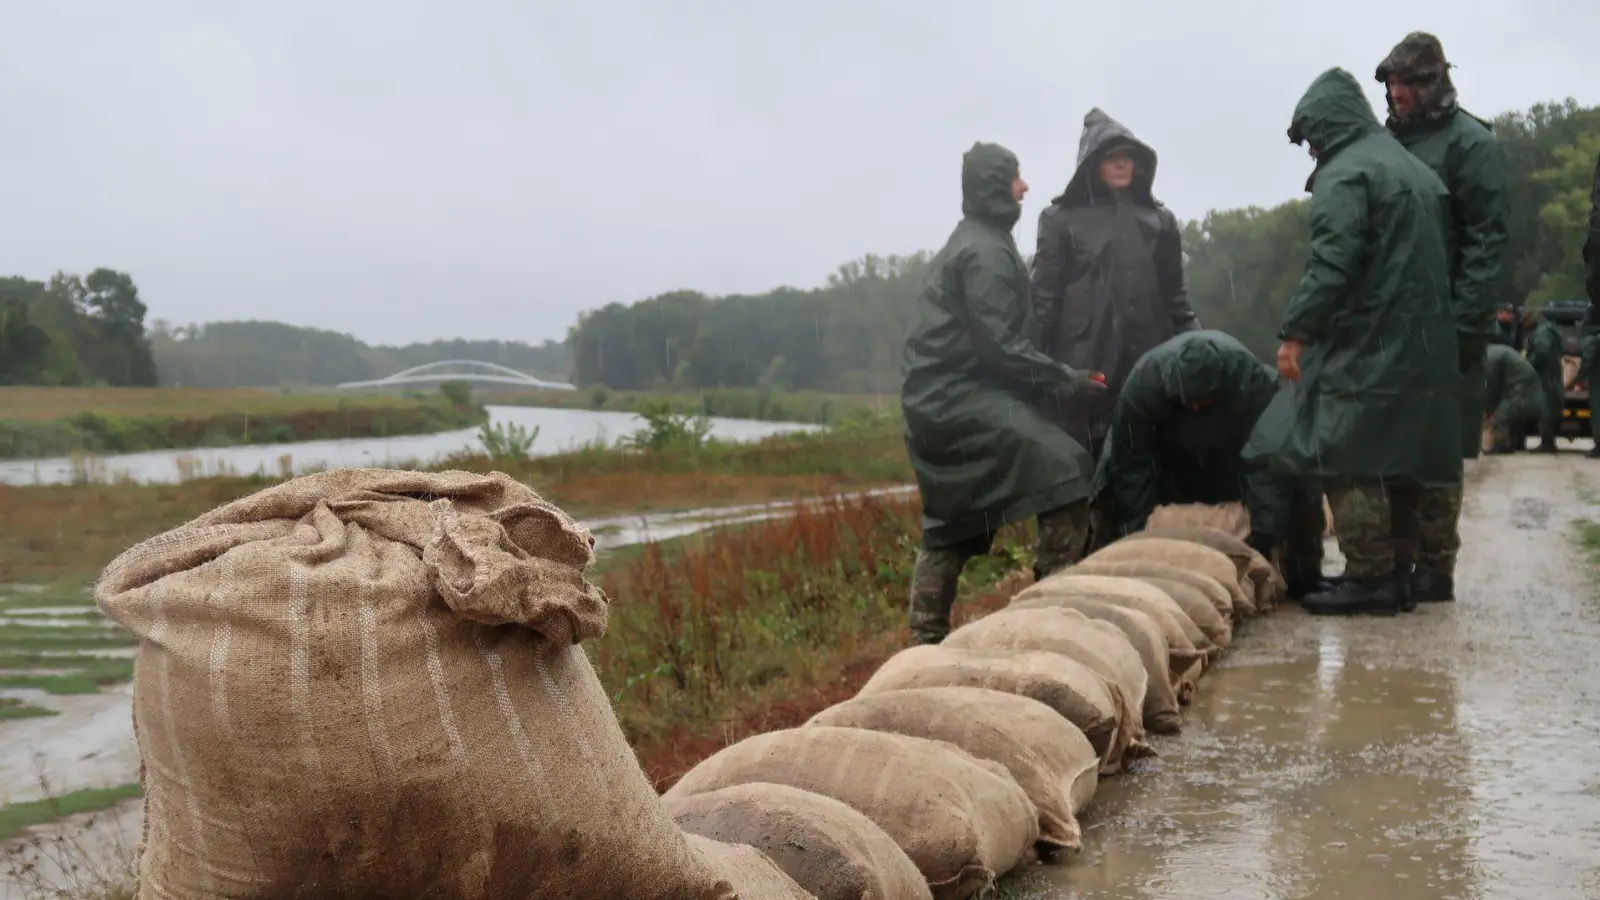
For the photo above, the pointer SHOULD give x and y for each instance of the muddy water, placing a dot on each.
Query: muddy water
(1452, 753)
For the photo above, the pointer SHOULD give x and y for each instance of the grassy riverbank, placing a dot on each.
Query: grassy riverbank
(766, 404)
(62, 421)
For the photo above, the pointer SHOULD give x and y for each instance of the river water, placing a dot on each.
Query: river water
(559, 430)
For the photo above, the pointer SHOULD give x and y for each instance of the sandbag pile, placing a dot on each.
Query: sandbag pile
(369, 683)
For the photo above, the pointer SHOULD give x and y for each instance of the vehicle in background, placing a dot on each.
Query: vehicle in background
(1571, 318)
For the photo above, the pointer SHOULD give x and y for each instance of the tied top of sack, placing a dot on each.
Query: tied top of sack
(493, 549)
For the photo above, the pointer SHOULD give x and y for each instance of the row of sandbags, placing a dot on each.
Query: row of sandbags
(974, 757)
(369, 682)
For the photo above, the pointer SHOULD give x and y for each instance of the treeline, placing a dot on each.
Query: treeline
(74, 330)
(272, 354)
(1242, 267)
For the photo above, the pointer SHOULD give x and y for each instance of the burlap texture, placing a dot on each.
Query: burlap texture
(752, 874)
(1232, 518)
(1257, 576)
(828, 848)
(1161, 715)
(1184, 555)
(366, 683)
(1215, 593)
(1048, 756)
(1134, 594)
(1066, 632)
(1080, 694)
(962, 820)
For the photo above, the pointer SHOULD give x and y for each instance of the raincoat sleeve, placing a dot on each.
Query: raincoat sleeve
(1480, 196)
(1169, 273)
(1588, 354)
(1001, 326)
(1338, 220)
(1049, 277)
(1591, 247)
(1130, 467)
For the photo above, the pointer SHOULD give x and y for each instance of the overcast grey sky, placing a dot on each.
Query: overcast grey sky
(408, 170)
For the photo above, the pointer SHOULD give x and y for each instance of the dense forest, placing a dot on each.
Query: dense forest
(73, 330)
(1242, 267)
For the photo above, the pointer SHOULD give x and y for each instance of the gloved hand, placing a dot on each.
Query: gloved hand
(1473, 347)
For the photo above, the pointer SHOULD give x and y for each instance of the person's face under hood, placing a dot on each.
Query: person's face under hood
(1416, 79)
(992, 185)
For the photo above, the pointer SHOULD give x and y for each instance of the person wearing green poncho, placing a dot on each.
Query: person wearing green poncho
(976, 380)
(1513, 399)
(1461, 149)
(1369, 342)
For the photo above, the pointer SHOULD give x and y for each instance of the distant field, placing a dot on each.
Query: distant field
(38, 422)
(43, 404)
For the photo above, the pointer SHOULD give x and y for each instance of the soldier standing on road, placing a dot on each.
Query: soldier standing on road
(1545, 349)
(1462, 150)
(1370, 342)
(983, 453)
(1513, 398)
(1108, 272)
(1185, 414)
(1589, 353)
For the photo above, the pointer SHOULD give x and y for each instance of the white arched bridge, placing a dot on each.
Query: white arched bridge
(461, 370)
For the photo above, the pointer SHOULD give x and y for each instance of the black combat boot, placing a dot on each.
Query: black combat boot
(1428, 586)
(1547, 437)
(1373, 596)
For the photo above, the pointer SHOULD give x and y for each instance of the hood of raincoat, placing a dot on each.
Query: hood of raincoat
(1418, 60)
(1195, 373)
(987, 171)
(1101, 134)
(1333, 114)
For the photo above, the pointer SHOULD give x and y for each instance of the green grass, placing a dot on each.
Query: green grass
(16, 817)
(1589, 539)
(12, 708)
(54, 657)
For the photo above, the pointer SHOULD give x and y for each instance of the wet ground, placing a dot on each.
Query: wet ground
(1452, 753)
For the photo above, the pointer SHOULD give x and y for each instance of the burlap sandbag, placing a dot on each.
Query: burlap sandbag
(752, 874)
(1195, 605)
(828, 848)
(1134, 594)
(1214, 592)
(1047, 755)
(1065, 631)
(367, 683)
(1184, 555)
(1161, 714)
(1080, 694)
(1232, 518)
(1256, 574)
(962, 820)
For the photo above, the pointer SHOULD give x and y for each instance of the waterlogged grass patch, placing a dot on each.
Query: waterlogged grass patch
(16, 817)
(13, 708)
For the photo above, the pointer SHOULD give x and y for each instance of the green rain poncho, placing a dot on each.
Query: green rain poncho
(1379, 395)
(983, 454)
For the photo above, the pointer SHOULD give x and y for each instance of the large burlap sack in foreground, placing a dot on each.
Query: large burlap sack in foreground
(1232, 518)
(367, 683)
(1181, 631)
(1199, 558)
(1256, 574)
(752, 874)
(962, 820)
(1067, 632)
(828, 848)
(1080, 694)
(1215, 593)
(1048, 756)
(1161, 714)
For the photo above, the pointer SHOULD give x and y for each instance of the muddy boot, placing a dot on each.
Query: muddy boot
(1547, 437)
(1375, 596)
(1428, 586)
(934, 581)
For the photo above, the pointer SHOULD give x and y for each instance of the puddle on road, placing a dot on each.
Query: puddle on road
(1445, 755)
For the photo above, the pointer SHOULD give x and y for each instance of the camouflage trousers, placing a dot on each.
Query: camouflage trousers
(1382, 528)
(1063, 535)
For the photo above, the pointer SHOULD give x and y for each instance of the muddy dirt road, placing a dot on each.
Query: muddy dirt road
(1449, 754)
